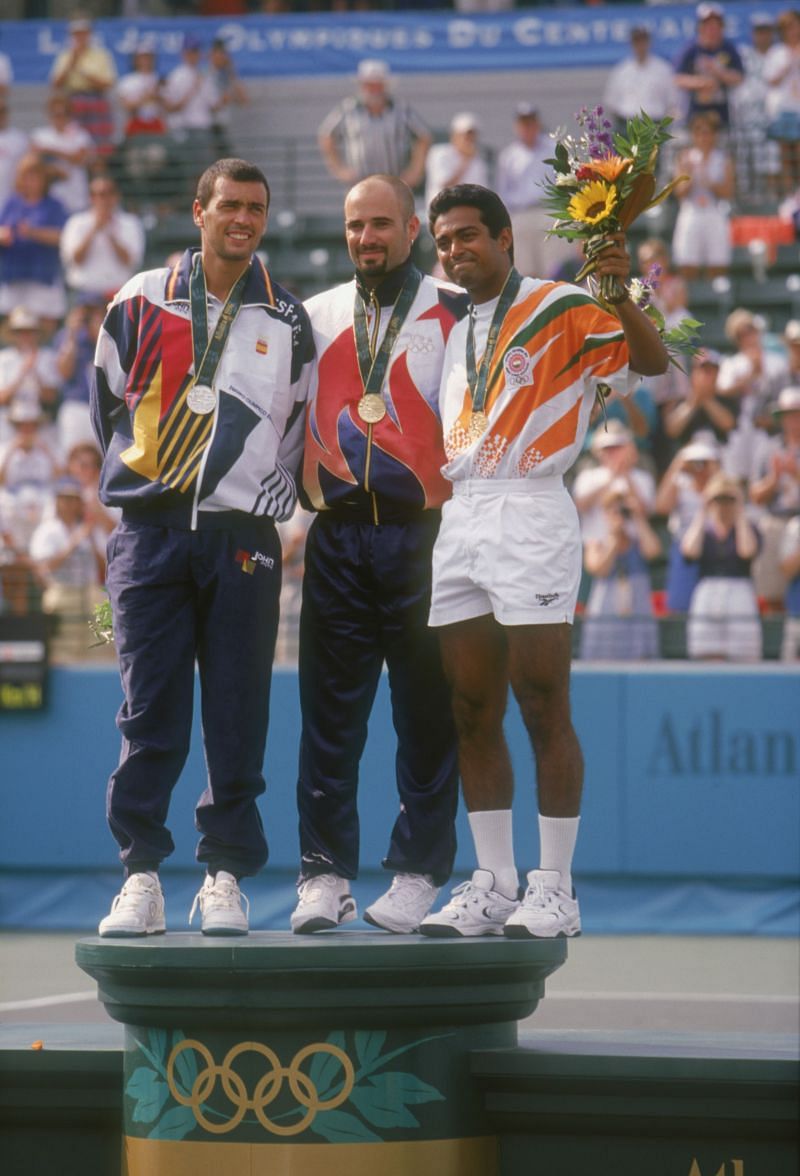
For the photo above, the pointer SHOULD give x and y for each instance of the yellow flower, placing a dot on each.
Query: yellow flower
(611, 168)
(594, 203)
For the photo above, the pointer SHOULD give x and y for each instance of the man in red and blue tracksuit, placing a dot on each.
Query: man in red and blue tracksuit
(202, 373)
(373, 453)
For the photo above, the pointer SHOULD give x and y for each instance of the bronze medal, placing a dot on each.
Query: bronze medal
(201, 399)
(371, 408)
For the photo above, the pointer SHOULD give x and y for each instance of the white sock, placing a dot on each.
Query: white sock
(494, 848)
(557, 837)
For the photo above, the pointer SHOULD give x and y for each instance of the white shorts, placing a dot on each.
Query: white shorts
(724, 621)
(702, 236)
(509, 548)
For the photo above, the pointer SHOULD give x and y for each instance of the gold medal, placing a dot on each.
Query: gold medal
(371, 408)
(478, 424)
(201, 399)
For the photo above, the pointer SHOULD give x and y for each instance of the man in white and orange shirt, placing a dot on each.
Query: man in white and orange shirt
(519, 380)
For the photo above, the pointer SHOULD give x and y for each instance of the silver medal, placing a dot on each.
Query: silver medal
(201, 399)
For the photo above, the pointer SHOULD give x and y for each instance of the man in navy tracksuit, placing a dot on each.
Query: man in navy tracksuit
(373, 453)
(201, 380)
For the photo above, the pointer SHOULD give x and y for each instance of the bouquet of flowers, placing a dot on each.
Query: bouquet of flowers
(101, 624)
(602, 182)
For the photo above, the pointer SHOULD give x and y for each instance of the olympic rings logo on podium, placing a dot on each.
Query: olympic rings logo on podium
(266, 1090)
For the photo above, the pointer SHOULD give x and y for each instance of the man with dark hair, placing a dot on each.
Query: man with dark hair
(518, 385)
(202, 372)
(372, 473)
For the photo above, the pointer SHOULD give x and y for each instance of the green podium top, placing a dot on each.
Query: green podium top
(274, 978)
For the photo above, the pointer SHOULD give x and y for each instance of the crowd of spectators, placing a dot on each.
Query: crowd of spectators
(689, 490)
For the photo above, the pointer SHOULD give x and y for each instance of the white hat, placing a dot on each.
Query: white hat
(22, 411)
(614, 433)
(704, 11)
(791, 332)
(371, 70)
(22, 319)
(464, 121)
(788, 400)
(700, 451)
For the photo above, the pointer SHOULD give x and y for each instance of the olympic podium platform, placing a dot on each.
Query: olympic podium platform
(360, 1053)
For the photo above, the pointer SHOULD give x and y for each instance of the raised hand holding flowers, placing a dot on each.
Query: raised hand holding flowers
(603, 181)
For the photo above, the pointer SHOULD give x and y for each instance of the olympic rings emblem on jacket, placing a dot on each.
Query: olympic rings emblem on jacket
(266, 1090)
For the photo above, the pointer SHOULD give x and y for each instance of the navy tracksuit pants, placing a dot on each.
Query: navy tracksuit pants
(366, 595)
(178, 597)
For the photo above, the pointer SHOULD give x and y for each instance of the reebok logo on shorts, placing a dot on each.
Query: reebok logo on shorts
(545, 598)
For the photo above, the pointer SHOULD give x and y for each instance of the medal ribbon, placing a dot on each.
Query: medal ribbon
(208, 352)
(478, 376)
(373, 366)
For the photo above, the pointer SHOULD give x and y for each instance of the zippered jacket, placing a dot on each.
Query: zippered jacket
(166, 463)
(391, 469)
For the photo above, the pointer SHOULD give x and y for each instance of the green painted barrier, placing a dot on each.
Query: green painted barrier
(345, 1053)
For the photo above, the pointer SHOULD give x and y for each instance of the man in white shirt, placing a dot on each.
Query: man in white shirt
(67, 149)
(642, 81)
(458, 161)
(102, 247)
(521, 171)
(191, 100)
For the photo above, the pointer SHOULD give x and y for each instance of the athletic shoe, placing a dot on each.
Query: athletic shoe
(404, 905)
(138, 909)
(220, 902)
(325, 901)
(475, 909)
(546, 912)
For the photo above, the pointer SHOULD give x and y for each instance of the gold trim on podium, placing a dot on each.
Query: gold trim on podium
(445, 1157)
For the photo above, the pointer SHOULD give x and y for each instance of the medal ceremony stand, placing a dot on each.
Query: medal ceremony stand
(356, 1053)
(345, 1053)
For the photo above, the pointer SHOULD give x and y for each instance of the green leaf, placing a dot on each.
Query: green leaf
(368, 1046)
(383, 1101)
(149, 1094)
(408, 1088)
(340, 1127)
(176, 1124)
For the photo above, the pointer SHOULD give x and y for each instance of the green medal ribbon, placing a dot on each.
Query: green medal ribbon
(373, 365)
(208, 352)
(478, 375)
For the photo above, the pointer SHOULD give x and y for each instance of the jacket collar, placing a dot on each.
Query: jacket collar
(257, 291)
(387, 290)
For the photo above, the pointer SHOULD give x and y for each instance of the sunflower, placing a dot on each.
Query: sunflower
(610, 168)
(594, 203)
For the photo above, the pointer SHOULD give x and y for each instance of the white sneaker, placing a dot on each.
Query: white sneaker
(220, 901)
(138, 909)
(475, 909)
(325, 901)
(546, 911)
(404, 905)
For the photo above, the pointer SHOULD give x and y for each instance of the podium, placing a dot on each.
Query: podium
(303, 1056)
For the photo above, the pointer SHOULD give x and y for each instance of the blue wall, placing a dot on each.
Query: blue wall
(690, 774)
